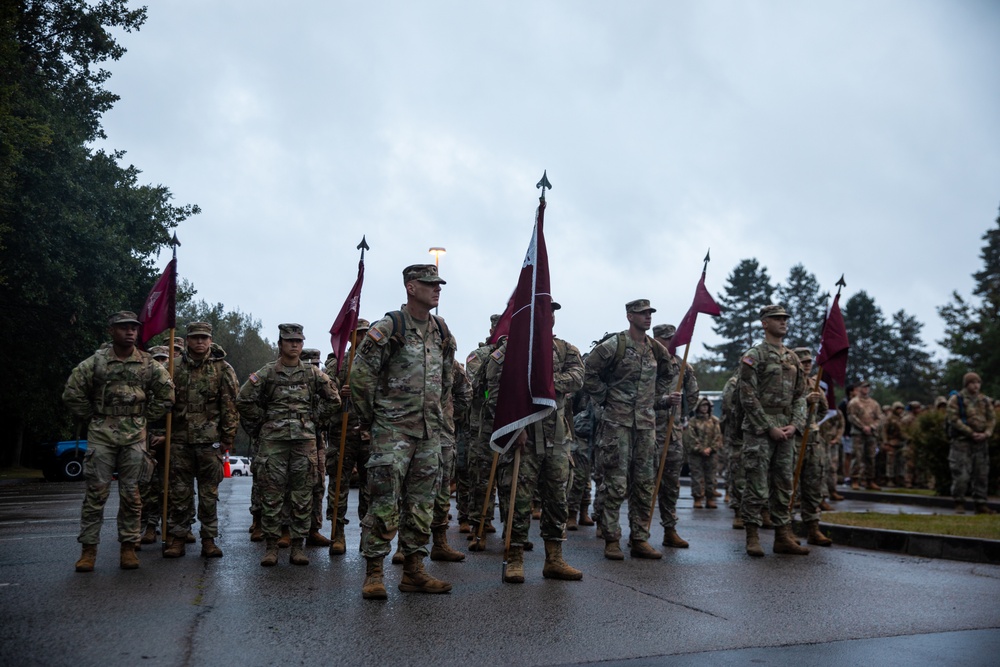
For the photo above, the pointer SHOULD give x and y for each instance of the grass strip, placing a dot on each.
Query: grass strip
(974, 525)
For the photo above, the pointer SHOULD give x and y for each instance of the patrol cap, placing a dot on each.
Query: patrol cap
(803, 353)
(178, 344)
(199, 329)
(939, 401)
(704, 399)
(773, 310)
(916, 405)
(639, 306)
(425, 273)
(898, 405)
(864, 383)
(363, 325)
(290, 331)
(311, 355)
(160, 352)
(123, 317)
(664, 331)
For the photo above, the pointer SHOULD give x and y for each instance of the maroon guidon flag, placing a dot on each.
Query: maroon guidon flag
(703, 303)
(527, 388)
(347, 319)
(159, 313)
(832, 353)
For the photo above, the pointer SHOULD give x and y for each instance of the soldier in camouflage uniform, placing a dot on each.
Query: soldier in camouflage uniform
(578, 495)
(479, 457)
(894, 440)
(116, 392)
(773, 396)
(732, 434)
(909, 425)
(286, 404)
(812, 479)
(204, 429)
(315, 538)
(970, 419)
(624, 388)
(831, 431)
(681, 404)
(865, 416)
(356, 450)
(402, 373)
(544, 465)
(703, 440)
(456, 415)
(151, 492)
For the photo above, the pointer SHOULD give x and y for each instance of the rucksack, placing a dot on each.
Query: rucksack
(621, 344)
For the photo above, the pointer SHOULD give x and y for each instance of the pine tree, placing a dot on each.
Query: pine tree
(871, 352)
(912, 365)
(748, 289)
(801, 298)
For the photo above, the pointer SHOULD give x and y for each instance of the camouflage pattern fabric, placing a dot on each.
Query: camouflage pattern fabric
(356, 453)
(812, 480)
(478, 455)
(188, 462)
(830, 432)
(861, 413)
(666, 383)
(456, 412)
(732, 434)
(287, 467)
(703, 433)
(969, 460)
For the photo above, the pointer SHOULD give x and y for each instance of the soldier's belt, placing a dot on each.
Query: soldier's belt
(121, 410)
(303, 416)
(195, 408)
(777, 411)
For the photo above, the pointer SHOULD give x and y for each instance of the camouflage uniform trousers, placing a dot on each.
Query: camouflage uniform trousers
(99, 466)
(626, 457)
(544, 474)
(970, 468)
(703, 480)
(463, 488)
(721, 457)
(287, 466)
(578, 495)
(151, 493)
(768, 467)
(442, 501)
(319, 486)
(404, 473)
(736, 479)
(670, 485)
(812, 479)
(863, 464)
(356, 453)
(833, 465)
(188, 462)
(480, 462)
(256, 506)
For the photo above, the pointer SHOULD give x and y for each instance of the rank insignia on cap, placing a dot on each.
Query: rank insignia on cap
(748, 361)
(254, 378)
(376, 335)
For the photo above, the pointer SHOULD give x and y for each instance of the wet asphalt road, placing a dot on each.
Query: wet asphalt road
(707, 604)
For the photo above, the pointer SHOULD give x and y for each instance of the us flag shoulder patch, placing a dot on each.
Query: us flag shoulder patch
(254, 378)
(748, 361)
(375, 334)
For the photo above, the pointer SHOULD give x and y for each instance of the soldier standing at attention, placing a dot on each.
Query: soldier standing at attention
(865, 415)
(400, 378)
(479, 457)
(456, 411)
(704, 441)
(813, 478)
(151, 491)
(623, 385)
(286, 403)
(970, 419)
(668, 401)
(204, 429)
(773, 395)
(116, 391)
(311, 355)
(732, 433)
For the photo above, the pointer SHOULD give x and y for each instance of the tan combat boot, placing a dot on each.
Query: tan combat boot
(416, 580)
(854, 485)
(149, 536)
(175, 547)
(585, 519)
(87, 558)
(209, 549)
(872, 486)
(285, 539)
(317, 539)
(128, 560)
(785, 543)
(257, 534)
(765, 519)
(710, 503)
(514, 573)
(270, 558)
(189, 538)
(398, 558)
(297, 555)
(612, 550)
(571, 521)
(255, 522)
(642, 549)
(825, 506)
(441, 549)
(737, 520)
(477, 544)
(753, 541)
(672, 539)
(555, 567)
(697, 503)
(464, 527)
(374, 587)
(815, 536)
(338, 546)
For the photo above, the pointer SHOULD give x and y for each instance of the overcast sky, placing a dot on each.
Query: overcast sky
(860, 138)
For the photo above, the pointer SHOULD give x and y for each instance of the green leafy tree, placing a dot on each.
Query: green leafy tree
(79, 232)
(807, 306)
(748, 289)
(972, 327)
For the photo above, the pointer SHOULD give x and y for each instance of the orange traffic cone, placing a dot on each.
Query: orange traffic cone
(226, 470)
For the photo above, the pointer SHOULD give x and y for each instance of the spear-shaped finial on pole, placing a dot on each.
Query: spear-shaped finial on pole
(174, 242)
(841, 283)
(708, 258)
(362, 247)
(544, 183)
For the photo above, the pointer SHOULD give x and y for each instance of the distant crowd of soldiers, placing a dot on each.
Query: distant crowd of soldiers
(411, 422)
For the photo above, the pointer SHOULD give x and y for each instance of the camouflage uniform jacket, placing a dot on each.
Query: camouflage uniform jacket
(666, 384)
(205, 410)
(339, 377)
(831, 430)
(705, 433)
(399, 381)
(281, 402)
(625, 392)
(979, 415)
(732, 413)
(863, 412)
(894, 429)
(772, 389)
(118, 397)
(456, 408)
(475, 371)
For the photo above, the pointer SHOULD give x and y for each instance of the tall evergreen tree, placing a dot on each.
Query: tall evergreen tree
(802, 299)
(871, 341)
(748, 289)
(912, 365)
(972, 328)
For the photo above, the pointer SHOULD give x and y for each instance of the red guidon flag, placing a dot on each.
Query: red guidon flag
(833, 348)
(159, 313)
(347, 319)
(527, 389)
(703, 303)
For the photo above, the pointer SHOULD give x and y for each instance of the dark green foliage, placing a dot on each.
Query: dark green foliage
(930, 446)
(748, 289)
(807, 306)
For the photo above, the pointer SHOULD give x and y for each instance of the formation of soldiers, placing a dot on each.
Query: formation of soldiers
(410, 419)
